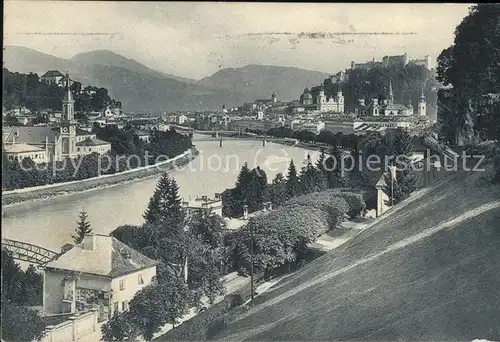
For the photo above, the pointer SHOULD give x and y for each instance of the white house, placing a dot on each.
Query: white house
(101, 272)
(203, 202)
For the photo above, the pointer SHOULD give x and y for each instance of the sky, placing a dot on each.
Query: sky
(196, 39)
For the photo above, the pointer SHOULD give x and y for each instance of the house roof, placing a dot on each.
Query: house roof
(81, 132)
(21, 147)
(396, 106)
(32, 135)
(53, 73)
(110, 258)
(92, 142)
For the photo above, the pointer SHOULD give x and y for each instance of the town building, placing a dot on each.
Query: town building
(21, 151)
(99, 273)
(312, 126)
(142, 135)
(253, 124)
(323, 104)
(389, 107)
(64, 141)
(53, 76)
(213, 205)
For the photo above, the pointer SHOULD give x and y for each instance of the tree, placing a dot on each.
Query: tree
(398, 143)
(164, 208)
(257, 190)
(312, 179)
(121, 327)
(150, 309)
(18, 290)
(278, 190)
(19, 287)
(402, 187)
(337, 178)
(20, 323)
(83, 227)
(471, 66)
(292, 181)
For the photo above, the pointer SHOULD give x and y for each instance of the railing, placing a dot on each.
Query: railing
(27, 252)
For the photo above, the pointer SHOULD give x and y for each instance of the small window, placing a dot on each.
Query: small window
(140, 280)
(122, 285)
(125, 305)
(115, 307)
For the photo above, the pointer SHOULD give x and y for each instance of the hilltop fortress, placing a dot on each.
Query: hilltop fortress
(400, 60)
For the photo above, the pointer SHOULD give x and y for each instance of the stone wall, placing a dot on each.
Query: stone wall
(75, 328)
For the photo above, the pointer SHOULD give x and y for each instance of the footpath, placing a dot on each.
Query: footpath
(324, 243)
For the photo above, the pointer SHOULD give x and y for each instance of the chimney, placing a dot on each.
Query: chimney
(217, 196)
(245, 212)
(89, 242)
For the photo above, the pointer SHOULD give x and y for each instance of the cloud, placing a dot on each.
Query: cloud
(196, 39)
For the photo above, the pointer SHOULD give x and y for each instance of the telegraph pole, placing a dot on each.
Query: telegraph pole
(251, 261)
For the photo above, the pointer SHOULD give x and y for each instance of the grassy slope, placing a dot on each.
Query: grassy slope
(415, 275)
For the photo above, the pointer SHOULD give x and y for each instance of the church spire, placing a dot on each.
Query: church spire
(68, 96)
(422, 96)
(391, 93)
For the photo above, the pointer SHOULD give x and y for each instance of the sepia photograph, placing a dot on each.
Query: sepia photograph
(250, 171)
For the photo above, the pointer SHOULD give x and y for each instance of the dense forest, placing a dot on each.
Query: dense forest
(26, 90)
(406, 82)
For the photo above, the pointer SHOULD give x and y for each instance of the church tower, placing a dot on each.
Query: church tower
(68, 123)
(422, 105)
(273, 98)
(391, 94)
(340, 101)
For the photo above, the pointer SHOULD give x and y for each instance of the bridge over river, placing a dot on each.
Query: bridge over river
(28, 252)
(50, 223)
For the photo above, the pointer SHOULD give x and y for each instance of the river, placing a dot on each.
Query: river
(50, 223)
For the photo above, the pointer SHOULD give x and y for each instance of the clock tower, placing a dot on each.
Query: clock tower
(68, 123)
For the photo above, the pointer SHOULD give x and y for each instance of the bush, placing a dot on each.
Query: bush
(355, 202)
(329, 201)
(21, 324)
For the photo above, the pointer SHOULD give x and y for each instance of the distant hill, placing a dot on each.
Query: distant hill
(427, 271)
(260, 81)
(141, 89)
(25, 60)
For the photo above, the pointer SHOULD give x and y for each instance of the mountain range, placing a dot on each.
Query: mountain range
(142, 89)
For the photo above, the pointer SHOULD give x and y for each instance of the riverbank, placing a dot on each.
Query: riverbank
(20, 196)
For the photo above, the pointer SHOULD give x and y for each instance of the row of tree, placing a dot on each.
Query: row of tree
(252, 188)
(124, 143)
(281, 236)
(27, 90)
